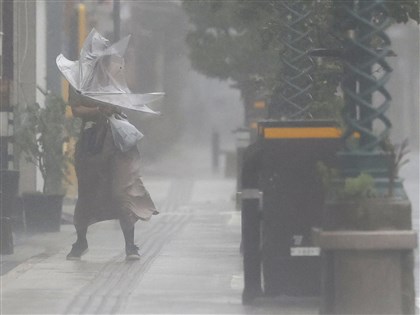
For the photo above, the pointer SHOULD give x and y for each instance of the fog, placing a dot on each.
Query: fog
(191, 253)
(194, 105)
(198, 105)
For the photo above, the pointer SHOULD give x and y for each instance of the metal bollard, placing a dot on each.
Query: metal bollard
(251, 198)
(251, 221)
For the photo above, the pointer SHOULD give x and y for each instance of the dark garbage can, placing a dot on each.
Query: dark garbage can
(6, 236)
(18, 216)
(42, 212)
(9, 185)
(293, 202)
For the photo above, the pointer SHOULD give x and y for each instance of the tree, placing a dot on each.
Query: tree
(241, 41)
(226, 43)
(403, 10)
(40, 135)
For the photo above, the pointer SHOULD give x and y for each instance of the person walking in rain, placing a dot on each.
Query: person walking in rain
(107, 160)
(109, 182)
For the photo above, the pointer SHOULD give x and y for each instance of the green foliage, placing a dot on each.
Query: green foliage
(327, 72)
(330, 109)
(326, 103)
(241, 41)
(327, 175)
(403, 10)
(360, 187)
(400, 11)
(40, 134)
(226, 42)
(349, 188)
(396, 160)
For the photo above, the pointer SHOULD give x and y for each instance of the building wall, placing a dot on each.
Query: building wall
(25, 75)
(1, 40)
(404, 83)
(54, 42)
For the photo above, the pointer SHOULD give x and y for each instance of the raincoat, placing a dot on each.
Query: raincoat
(109, 180)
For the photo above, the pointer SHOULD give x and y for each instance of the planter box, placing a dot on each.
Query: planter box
(42, 212)
(367, 249)
(369, 214)
(9, 185)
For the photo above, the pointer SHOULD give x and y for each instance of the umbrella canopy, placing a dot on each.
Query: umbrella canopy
(98, 76)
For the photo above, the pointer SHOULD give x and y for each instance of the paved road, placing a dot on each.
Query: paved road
(190, 262)
(190, 257)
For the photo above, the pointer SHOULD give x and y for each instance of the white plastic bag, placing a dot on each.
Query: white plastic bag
(125, 134)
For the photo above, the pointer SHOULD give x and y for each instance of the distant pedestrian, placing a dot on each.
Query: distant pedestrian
(109, 181)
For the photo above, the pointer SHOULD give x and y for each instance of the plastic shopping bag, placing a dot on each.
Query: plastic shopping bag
(125, 134)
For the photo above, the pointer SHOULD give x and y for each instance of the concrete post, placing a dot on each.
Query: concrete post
(366, 271)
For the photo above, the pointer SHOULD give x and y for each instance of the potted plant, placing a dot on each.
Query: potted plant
(40, 135)
(363, 202)
(373, 211)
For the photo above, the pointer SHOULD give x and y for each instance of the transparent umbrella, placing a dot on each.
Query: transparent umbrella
(98, 76)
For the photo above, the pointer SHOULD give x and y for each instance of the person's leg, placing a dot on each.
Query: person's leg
(127, 227)
(80, 247)
(81, 235)
(128, 236)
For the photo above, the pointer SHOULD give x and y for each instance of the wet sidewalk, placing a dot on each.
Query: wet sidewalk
(190, 262)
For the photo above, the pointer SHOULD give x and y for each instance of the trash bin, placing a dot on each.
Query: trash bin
(9, 185)
(293, 202)
(42, 212)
